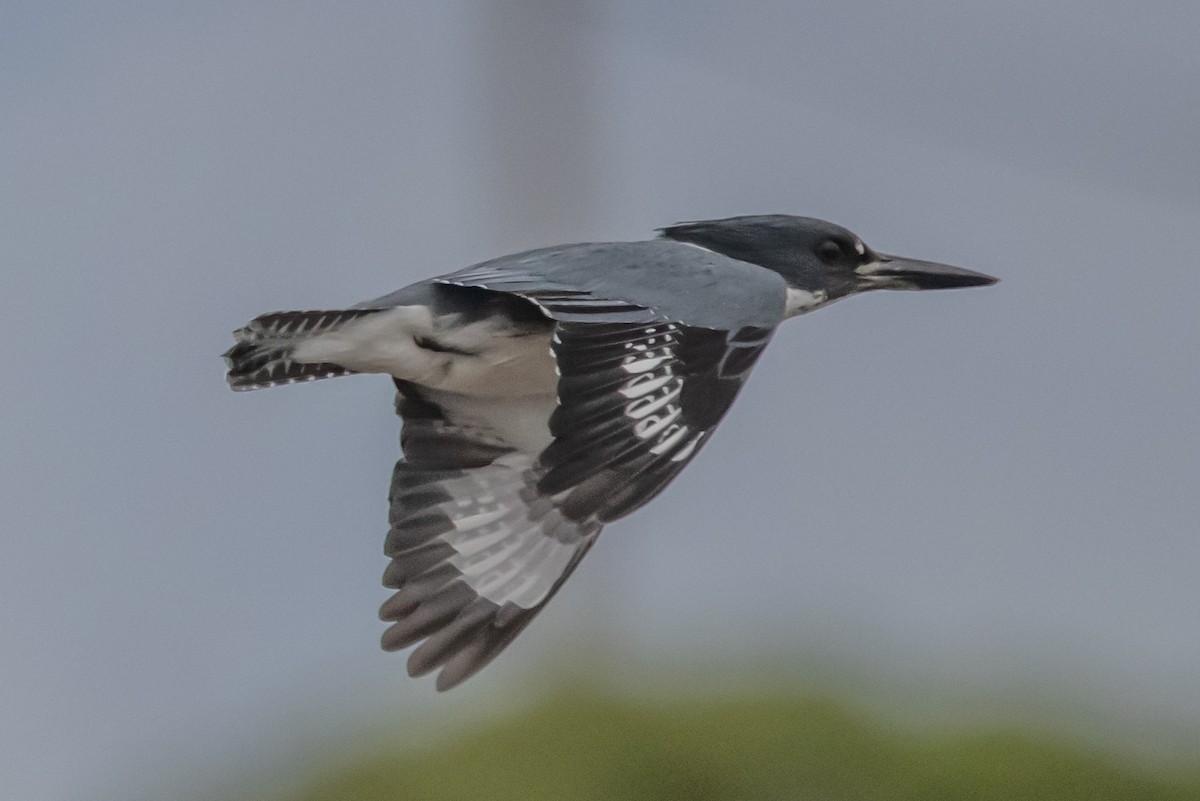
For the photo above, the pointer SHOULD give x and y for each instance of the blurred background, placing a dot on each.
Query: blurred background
(944, 545)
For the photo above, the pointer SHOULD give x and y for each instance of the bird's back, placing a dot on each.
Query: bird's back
(671, 281)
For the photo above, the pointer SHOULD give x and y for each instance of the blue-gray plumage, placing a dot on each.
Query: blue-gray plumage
(547, 393)
(656, 281)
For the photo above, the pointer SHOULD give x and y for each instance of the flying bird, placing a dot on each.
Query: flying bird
(547, 393)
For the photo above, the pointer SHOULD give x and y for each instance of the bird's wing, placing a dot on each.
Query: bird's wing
(483, 532)
(558, 297)
(636, 403)
(635, 282)
(477, 549)
(653, 341)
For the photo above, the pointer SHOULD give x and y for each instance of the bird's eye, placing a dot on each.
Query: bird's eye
(830, 252)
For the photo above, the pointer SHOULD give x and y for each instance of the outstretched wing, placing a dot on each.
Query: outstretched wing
(636, 403)
(477, 548)
(483, 533)
(653, 342)
(636, 282)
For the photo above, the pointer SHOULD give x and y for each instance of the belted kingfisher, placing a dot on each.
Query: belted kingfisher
(550, 392)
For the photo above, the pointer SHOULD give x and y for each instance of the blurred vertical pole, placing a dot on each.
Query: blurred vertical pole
(539, 144)
(536, 94)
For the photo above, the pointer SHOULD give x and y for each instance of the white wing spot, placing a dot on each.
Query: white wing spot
(687, 449)
(653, 391)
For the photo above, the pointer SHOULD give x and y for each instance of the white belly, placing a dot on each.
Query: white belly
(499, 365)
(524, 422)
(505, 367)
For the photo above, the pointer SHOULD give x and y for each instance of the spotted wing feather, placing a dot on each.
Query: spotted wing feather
(636, 403)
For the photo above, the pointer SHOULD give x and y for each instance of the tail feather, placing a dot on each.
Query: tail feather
(262, 355)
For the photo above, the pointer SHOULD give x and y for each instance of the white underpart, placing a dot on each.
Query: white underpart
(500, 366)
(521, 422)
(800, 301)
(374, 343)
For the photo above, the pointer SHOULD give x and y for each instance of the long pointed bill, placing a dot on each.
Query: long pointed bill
(895, 272)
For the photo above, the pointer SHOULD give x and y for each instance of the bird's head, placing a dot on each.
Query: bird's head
(820, 261)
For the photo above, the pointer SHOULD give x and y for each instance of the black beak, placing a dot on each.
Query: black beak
(916, 274)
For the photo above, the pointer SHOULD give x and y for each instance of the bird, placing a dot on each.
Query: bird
(548, 393)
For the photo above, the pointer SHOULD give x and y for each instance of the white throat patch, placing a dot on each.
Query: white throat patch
(801, 301)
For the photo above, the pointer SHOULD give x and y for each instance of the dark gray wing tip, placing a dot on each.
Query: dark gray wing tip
(437, 606)
(462, 631)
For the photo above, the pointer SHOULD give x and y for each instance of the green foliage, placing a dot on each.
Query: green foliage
(587, 748)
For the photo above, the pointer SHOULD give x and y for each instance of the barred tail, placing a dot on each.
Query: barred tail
(262, 355)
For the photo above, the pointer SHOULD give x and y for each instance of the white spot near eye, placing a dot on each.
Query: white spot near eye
(860, 248)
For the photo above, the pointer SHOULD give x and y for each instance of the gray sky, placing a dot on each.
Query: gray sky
(997, 482)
